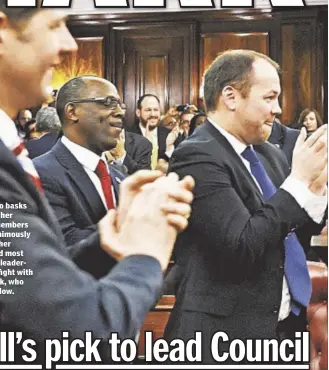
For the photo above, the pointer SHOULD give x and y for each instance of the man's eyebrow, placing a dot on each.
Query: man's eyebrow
(272, 92)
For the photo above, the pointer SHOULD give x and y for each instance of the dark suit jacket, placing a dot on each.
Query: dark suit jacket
(59, 295)
(231, 256)
(40, 146)
(162, 137)
(139, 152)
(71, 193)
(284, 138)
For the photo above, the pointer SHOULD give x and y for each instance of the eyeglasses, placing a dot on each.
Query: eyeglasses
(108, 101)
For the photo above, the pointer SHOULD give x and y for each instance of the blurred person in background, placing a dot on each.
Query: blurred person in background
(24, 116)
(132, 152)
(196, 121)
(284, 138)
(310, 119)
(47, 129)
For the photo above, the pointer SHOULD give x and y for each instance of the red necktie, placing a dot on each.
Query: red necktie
(106, 182)
(22, 156)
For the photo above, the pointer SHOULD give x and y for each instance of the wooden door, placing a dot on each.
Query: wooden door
(156, 59)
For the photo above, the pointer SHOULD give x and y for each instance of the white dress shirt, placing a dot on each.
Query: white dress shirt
(89, 161)
(8, 130)
(314, 205)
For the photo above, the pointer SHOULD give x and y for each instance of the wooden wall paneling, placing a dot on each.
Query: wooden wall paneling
(191, 26)
(154, 77)
(297, 69)
(156, 321)
(249, 32)
(89, 60)
(304, 62)
(322, 57)
(214, 43)
(157, 59)
(93, 30)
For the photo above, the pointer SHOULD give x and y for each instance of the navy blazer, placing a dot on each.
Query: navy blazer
(138, 152)
(284, 138)
(163, 132)
(41, 146)
(231, 256)
(59, 296)
(71, 193)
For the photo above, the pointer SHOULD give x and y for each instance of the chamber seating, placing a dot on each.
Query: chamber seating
(317, 314)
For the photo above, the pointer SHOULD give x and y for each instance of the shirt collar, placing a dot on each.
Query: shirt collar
(8, 131)
(235, 143)
(154, 132)
(83, 155)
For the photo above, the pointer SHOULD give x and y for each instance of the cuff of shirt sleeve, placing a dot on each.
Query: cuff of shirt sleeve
(314, 205)
(169, 152)
(121, 159)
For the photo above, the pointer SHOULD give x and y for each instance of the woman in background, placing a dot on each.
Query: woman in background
(196, 121)
(310, 119)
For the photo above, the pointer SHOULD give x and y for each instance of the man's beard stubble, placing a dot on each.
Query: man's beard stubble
(152, 126)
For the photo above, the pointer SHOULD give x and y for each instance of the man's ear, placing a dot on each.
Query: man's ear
(3, 29)
(229, 96)
(71, 112)
(138, 113)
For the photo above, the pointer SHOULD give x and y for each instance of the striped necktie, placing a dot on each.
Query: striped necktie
(22, 156)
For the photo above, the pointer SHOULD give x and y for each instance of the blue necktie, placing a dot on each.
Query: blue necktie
(295, 267)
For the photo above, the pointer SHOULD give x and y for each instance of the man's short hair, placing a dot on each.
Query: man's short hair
(47, 120)
(71, 90)
(140, 100)
(234, 68)
(18, 15)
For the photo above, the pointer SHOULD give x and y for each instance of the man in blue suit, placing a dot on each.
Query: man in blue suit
(68, 172)
(47, 127)
(284, 138)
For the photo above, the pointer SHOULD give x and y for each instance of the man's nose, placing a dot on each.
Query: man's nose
(276, 109)
(68, 44)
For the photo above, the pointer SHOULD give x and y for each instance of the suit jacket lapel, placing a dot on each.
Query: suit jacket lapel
(273, 171)
(80, 180)
(116, 177)
(277, 135)
(129, 144)
(233, 155)
(162, 136)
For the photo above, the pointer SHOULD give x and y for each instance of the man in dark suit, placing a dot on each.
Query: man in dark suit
(47, 128)
(58, 296)
(138, 152)
(162, 139)
(132, 151)
(68, 172)
(242, 270)
(284, 138)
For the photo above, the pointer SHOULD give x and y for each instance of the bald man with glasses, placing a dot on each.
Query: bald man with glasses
(76, 178)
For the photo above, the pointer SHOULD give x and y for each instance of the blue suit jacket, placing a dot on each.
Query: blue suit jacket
(71, 193)
(59, 295)
(284, 138)
(41, 146)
